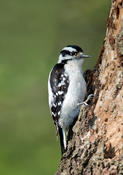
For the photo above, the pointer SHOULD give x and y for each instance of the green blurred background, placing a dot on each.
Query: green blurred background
(32, 33)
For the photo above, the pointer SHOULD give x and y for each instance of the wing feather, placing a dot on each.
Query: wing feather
(57, 87)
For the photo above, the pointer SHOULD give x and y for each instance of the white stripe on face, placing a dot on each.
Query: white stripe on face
(69, 49)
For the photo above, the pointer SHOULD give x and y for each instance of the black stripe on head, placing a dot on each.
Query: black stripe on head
(65, 52)
(76, 47)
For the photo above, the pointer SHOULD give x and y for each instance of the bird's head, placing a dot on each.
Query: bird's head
(70, 53)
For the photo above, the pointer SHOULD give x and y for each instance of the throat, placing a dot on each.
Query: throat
(74, 65)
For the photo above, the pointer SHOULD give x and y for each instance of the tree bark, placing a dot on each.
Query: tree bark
(96, 146)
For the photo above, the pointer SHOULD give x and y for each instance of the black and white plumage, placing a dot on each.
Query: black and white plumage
(66, 89)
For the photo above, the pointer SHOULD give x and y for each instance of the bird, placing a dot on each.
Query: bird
(66, 90)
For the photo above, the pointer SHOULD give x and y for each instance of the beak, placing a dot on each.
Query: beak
(83, 56)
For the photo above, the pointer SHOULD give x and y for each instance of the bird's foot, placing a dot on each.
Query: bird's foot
(86, 101)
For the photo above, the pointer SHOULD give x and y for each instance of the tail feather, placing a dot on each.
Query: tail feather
(62, 139)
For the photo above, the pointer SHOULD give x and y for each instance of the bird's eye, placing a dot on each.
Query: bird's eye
(73, 53)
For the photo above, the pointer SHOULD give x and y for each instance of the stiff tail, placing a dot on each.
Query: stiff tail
(62, 139)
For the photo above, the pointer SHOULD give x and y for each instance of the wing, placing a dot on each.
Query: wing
(57, 88)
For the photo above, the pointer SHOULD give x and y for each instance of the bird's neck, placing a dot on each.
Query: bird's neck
(74, 67)
(75, 64)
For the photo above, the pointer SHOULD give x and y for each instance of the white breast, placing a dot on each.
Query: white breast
(75, 94)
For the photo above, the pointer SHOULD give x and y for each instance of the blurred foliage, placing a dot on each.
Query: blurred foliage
(31, 35)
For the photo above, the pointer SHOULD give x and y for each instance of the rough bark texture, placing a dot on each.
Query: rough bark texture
(96, 146)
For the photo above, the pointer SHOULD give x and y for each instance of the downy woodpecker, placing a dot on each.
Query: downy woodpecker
(66, 89)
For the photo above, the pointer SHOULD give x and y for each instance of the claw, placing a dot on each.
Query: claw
(86, 101)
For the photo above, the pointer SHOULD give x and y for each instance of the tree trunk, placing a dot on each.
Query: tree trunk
(96, 146)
